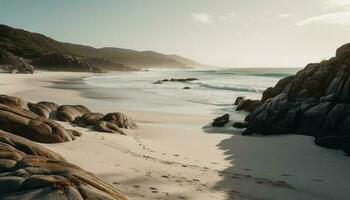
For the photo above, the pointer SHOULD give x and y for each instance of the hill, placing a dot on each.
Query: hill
(46, 53)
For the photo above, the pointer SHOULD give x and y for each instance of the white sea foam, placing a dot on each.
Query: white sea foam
(215, 86)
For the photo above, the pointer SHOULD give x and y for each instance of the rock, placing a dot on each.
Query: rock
(68, 113)
(221, 121)
(14, 64)
(120, 120)
(183, 79)
(240, 125)
(37, 173)
(314, 101)
(13, 147)
(12, 101)
(43, 109)
(31, 126)
(248, 105)
(88, 119)
(158, 82)
(109, 127)
(239, 100)
(186, 88)
(165, 80)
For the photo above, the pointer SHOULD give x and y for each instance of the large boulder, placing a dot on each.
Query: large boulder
(12, 101)
(315, 101)
(30, 171)
(32, 126)
(43, 109)
(120, 120)
(88, 119)
(68, 113)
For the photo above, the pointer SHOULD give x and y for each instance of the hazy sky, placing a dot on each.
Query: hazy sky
(236, 33)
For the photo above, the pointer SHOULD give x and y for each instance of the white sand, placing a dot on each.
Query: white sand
(171, 155)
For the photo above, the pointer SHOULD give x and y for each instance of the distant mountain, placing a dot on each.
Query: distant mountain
(45, 53)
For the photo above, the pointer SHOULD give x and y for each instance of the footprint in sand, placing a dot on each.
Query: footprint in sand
(165, 176)
(176, 155)
(136, 186)
(116, 183)
(181, 197)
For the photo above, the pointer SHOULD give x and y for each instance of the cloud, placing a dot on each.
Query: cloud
(227, 16)
(203, 17)
(337, 4)
(284, 15)
(335, 18)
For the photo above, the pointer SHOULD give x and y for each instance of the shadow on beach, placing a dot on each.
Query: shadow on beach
(279, 167)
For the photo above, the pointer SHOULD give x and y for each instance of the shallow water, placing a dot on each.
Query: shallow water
(218, 87)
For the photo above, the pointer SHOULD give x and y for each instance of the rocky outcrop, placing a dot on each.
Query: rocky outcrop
(315, 101)
(32, 126)
(68, 113)
(14, 64)
(30, 171)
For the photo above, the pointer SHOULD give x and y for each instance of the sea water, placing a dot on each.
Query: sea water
(219, 86)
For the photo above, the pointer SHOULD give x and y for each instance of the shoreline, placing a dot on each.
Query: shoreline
(178, 155)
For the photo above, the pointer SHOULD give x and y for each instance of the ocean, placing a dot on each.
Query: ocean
(218, 87)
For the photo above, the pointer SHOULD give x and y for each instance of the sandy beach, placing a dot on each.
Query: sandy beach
(174, 154)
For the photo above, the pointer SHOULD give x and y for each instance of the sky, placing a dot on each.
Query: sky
(225, 33)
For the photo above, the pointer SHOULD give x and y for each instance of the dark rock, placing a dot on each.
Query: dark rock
(248, 105)
(68, 113)
(240, 125)
(165, 80)
(221, 121)
(120, 120)
(158, 82)
(186, 88)
(239, 100)
(183, 79)
(314, 101)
